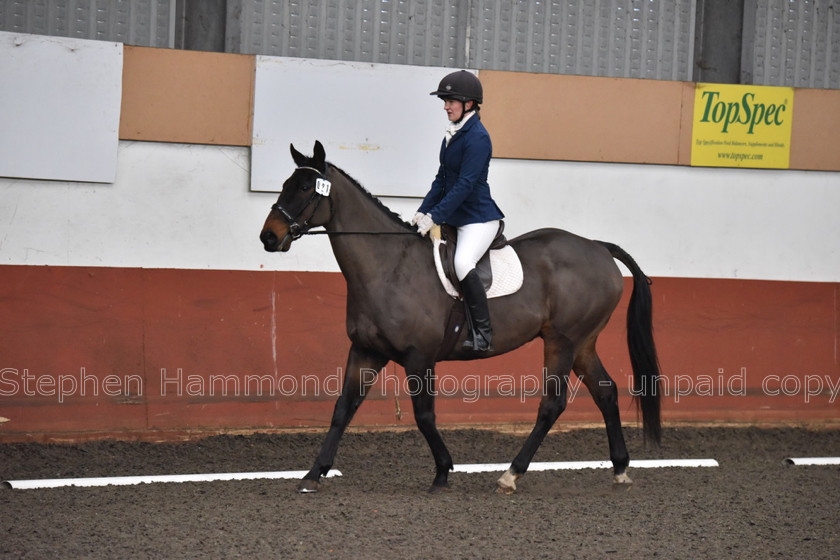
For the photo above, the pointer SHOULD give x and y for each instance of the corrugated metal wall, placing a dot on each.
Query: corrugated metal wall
(147, 23)
(792, 43)
(619, 38)
(785, 42)
(416, 32)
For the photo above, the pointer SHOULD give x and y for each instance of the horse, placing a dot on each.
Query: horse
(397, 310)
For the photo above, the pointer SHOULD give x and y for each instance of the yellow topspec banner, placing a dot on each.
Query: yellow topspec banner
(741, 126)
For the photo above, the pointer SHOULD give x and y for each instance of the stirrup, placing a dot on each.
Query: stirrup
(483, 345)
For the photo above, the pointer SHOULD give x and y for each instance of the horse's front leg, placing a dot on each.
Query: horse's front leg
(421, 383)
(362, 367)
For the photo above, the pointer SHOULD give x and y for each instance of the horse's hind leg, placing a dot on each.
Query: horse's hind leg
(590, 370)
(421, 387)
(362, 367)
(558, 364)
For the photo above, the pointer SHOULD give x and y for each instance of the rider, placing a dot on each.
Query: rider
(460, 195)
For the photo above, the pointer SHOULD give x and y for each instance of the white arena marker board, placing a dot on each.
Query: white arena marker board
(132, 480)
(813, 460)
(577, 465)
(468, 468)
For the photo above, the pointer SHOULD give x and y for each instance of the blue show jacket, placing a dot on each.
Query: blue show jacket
(460, 194)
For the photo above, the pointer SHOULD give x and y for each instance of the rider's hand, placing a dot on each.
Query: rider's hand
(424, 223)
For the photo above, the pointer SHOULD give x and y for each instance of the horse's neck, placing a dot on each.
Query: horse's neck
(361, 257)
(356, 210)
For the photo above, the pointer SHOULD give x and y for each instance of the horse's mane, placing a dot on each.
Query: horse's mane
(396, 218)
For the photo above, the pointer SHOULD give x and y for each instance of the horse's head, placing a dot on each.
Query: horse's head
(301, 204)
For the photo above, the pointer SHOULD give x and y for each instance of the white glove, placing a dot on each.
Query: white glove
(424, 223)
(416, 218)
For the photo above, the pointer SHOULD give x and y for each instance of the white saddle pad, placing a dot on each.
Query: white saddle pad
(506, 266)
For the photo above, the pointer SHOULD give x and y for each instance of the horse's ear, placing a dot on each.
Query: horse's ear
(300, 159)
(320, 156)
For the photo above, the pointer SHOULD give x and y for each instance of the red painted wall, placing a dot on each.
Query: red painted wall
(159, 354)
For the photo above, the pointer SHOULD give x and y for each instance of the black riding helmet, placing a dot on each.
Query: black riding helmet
(462, 85)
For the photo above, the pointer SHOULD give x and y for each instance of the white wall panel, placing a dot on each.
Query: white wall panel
(684, 221)
(377, 120)
(172, 206)
(61, 107)
(188, 206)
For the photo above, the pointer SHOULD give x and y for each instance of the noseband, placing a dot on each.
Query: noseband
(322, 191)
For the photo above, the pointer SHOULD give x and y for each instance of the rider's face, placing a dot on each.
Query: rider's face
(455, 109)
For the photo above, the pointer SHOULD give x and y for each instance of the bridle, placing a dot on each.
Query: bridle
(322, 191)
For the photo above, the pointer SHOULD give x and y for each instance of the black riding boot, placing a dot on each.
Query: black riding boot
(480, 338)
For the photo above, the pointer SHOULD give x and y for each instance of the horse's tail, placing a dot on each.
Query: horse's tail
(640, 343)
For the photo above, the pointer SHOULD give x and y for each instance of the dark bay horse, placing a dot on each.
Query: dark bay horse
(397, 311)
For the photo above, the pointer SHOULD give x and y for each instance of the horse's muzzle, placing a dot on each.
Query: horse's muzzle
(272, 244)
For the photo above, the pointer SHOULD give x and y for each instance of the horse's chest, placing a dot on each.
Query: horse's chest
(364, 329)
(387, 335)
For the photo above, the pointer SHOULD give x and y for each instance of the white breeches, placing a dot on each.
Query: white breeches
(473, 242)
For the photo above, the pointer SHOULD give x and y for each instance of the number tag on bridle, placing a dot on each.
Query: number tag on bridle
(322, 187)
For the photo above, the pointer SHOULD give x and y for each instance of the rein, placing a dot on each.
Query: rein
(325, 232)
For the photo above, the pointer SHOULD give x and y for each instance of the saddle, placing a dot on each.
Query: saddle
(449, 238)
(499, 269)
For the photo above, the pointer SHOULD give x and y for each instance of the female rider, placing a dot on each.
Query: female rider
(460, 196)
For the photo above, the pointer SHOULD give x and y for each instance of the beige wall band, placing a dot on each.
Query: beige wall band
(207, 98)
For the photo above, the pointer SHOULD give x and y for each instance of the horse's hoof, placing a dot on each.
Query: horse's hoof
(307, 486)
(435, 489)
(507, 483)
(622, 482)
